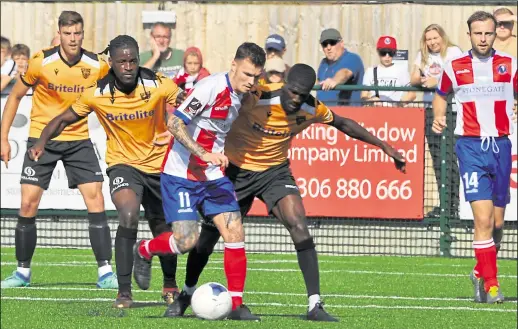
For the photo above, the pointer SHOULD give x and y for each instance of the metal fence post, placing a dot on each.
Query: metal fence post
(445, 195)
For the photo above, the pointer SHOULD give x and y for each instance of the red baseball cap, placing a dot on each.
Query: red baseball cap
(386, 42)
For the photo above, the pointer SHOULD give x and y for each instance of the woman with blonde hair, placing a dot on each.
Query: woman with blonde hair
(436, 49)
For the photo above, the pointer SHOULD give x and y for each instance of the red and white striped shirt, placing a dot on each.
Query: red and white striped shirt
(484, 93)
(208, 112)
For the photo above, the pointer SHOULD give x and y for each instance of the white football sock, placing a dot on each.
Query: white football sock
(313, 300)
(26, 272)
(104, 269)
(189, 290)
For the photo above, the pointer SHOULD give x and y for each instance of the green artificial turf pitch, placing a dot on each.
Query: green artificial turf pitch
(363, 292)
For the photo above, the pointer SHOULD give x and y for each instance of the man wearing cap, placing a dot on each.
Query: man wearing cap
(274, 70)
(387, 74)
(338, 67)
(275, 47)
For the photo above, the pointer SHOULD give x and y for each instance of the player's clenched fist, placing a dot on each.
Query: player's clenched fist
(35, 152)
(216, 159)
(439, 124)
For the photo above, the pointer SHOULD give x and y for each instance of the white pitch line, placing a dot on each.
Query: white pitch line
(411, 307)
(268, 293)
(90, 264)
(344, 260)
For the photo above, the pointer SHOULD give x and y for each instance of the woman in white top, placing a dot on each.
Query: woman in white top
(436, 49)
(387, 75)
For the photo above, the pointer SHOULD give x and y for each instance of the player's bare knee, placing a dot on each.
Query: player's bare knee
(233, 234)
(93, 196)
(298, 228)
(29, 208)
(185, 235)
(230, 226)
(128, 218)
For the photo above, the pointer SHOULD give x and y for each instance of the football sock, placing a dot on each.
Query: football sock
(196, 261)
(498, 234)
(234, 260)
(25, 271)
(100, 238)
(485, 253)
(25, 240)
(124, 242)
(313, 300)
(308, 263)
(163, 244)
(169, 264)
(189, 290)
(104, 270)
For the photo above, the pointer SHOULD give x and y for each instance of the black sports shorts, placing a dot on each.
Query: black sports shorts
(145, 185)
(78, 157)
(269, 186)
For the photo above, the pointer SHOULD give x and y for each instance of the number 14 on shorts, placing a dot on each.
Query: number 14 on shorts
(470, 182)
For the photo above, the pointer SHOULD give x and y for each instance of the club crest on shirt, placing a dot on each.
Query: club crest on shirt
(145, 96)
(85, 72)
(502, 69)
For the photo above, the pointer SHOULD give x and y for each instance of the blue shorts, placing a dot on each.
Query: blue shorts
(485, 169)
(183, 198)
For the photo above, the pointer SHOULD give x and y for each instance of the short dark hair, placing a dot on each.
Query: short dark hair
(480, 16)
(20, 49)
(121, 41)
(251, 51)
(302, 75)
(5, 43)
(68, 18)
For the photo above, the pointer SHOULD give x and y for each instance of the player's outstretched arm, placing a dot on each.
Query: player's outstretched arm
(177, 127)
(53, 129)
(353, 129)
(11, 107)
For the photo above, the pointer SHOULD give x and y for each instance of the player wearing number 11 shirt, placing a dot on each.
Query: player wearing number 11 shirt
(257, 148)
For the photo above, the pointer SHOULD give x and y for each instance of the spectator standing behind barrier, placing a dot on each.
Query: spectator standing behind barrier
(192, 70)
(338, 67)
(20, 55)
(8, 71)
(387, 74)
(161, 57)
(505, 38)
(436, 49)
(275, 70)
(275, 48)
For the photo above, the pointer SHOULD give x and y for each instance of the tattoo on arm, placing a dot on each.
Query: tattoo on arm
(231, 217)
(177, 128)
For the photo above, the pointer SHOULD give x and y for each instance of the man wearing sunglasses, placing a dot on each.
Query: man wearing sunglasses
(338, 67)
(505, 38)
(388, 75)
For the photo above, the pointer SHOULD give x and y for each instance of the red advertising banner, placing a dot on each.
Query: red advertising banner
(341, 177)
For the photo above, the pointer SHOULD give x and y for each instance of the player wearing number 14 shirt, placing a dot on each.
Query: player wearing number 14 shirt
(484, 83)
(257, 148)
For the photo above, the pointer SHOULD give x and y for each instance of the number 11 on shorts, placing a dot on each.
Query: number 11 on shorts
(185, 200)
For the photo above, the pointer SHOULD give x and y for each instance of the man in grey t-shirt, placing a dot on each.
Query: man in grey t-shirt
(161, 57)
